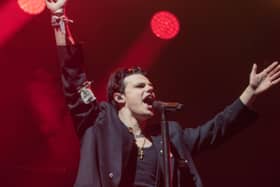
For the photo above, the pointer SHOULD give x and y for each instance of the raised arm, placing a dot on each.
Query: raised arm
(77, 89)
(236, 116)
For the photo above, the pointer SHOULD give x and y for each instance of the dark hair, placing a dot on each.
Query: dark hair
(116, 82)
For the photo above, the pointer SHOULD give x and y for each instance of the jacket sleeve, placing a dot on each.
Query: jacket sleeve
(73, 78)
(231, 120)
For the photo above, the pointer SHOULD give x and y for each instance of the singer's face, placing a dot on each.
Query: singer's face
(137, 89)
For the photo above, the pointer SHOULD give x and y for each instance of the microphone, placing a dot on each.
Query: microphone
(167, 106)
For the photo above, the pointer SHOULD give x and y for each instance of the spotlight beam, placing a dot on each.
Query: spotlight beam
(143, 52)
(13, 19)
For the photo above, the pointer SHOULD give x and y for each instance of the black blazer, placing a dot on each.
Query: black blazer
(106, 143)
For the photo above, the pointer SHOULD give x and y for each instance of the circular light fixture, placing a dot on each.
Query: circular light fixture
(165, 25)
(32, 7)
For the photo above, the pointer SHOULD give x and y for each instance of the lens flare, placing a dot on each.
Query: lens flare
(32, 7)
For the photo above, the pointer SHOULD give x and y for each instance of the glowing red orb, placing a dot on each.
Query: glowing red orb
(165, 25)
(32, 6)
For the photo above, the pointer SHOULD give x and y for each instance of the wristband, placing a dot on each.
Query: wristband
(59, 20)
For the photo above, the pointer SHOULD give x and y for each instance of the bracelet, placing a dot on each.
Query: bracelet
(58, 20)
(59, 11)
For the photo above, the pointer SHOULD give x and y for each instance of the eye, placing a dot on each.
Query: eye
(152, 86)
(140, 85)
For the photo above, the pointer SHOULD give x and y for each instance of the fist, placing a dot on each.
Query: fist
(56, 6)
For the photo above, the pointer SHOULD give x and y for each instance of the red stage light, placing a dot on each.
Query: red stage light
(32, 6)
(165, 25)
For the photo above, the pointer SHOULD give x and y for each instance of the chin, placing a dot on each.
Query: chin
(149, 115)
(146, 116)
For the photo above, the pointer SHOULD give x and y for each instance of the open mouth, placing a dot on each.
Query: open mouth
(149, 100)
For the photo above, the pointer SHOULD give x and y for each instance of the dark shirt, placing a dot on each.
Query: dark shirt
(146, 168)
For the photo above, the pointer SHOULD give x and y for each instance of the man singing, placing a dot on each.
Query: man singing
(119, 147)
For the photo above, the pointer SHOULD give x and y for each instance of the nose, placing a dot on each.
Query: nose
(150, 89)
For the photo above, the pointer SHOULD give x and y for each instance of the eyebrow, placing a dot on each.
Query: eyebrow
(149, 83)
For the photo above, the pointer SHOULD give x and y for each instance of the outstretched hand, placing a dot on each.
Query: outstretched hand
(270, 76)
(55, 6)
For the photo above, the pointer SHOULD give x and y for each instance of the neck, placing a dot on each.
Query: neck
(135, 126)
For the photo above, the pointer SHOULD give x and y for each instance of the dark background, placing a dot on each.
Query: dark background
(206, 67)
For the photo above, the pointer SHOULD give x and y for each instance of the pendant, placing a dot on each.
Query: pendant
(140, 153)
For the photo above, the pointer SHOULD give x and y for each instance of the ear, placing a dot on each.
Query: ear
(119, 98)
